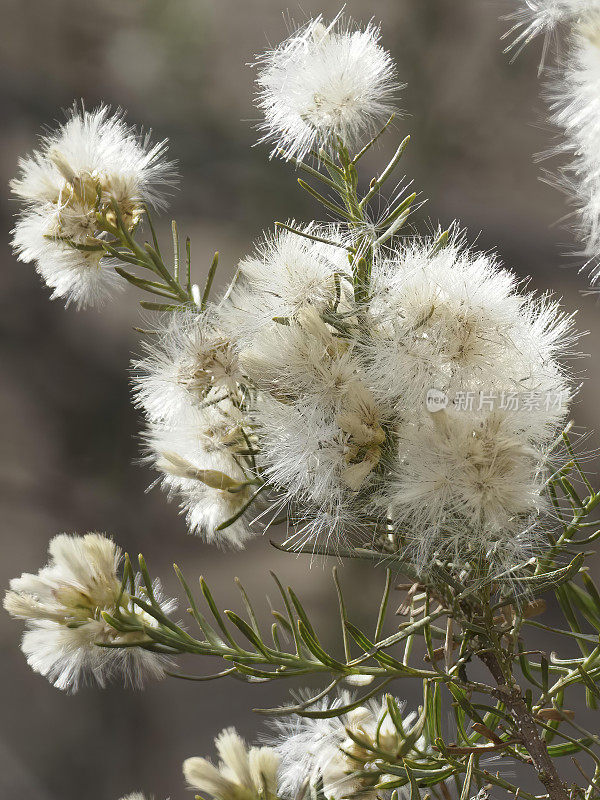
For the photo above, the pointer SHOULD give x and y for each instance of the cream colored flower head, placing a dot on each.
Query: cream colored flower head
(90, 165)
(242, 773)
(62, 606)
(326, 81)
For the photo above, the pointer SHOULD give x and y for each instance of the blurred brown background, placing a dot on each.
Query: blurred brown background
(69, 432)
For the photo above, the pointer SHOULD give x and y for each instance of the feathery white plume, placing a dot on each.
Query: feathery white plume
(325, 81)
(134, 796)
(469, 478)
(467, 485)
(187, 360)
(286, 274)
(574, 97)
(454, 320)
(188, 387)
(316, 749)
(199, 458)
(541, 17)
(62, 606)
(90, 162)
(242, 773)
(317, 424)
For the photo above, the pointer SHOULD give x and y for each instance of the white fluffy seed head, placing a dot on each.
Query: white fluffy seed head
(318, 426)
(79, 277)
(301, 359)
(467, 486)
(320, 750)
(454, 320)
(286, 274)
(62, 606)
(326, 81)
(98, 146)
(198, 458)
(242, 773)
(90, 162)
(188, 387)
(134, 796)
(188, 362)
(469, 479)
(340, 409)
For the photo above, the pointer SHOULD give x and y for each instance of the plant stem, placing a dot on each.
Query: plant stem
(510, 694)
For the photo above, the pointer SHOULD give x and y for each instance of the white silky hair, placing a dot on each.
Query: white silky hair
(344, 434)
(286, 273)
(62, 606)
(187, 361)
(455, 320)
(533, 18)
(101, 143)
(94, 157)
(134, 796)
(82, 278)
(574, 99)
(204, 439)
(302, 359)
(325, 81)
(317, 749)
(467, 484)
(187, 386)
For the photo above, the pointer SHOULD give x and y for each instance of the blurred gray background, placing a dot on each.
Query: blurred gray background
(69, 432)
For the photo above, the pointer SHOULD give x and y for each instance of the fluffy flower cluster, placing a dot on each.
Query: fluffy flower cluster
(62, 606)
(323, 83)
(290, 385)
(91, 163)
(469, 475)
(340, 751)
(242, 773)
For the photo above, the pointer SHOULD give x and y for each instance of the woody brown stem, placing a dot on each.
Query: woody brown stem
(512, 697)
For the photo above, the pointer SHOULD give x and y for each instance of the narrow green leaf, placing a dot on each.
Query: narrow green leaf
(242, 510)
(342, 609)
(216, 614)
(251, 635)
(302, 614)
(317, 650)
(339, 710)
(545, 674)
(201, 620)
(209, 281)
(291, 622)
(341, 212)
(175, 236)
(248, 606)
(383, 604)
(525, 667)
(387, 172)
(414, 789)
(462, 700)
(466, 788)
(371, 649)
(590, 684)
(536, 584)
